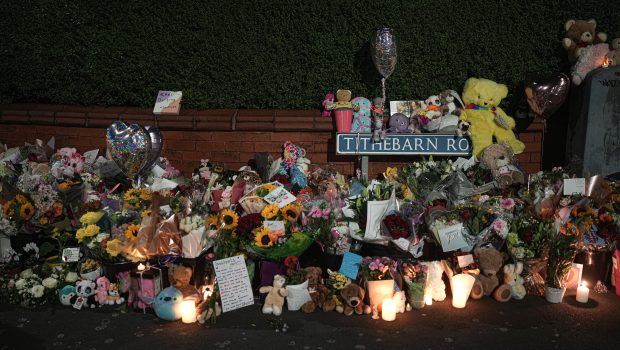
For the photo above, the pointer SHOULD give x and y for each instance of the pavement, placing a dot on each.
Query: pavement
(532, 323)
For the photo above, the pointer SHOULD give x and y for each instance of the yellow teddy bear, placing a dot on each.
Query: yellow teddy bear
(482, 97)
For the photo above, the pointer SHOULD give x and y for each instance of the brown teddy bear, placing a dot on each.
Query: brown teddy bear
(180, 277)
(275, 296)
(352, 298)
(490, 262)
(499, 159)
(579, 34)
(343, 99)
(318, 291)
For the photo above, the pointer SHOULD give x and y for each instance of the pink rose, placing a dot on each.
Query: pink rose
(499, 225)
(507, 203)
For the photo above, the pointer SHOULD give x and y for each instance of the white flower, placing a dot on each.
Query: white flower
(20, 283)
(71, 277)
(32, 247)
(50, 283)
(26, 273)
(100, 237)
(37, 291)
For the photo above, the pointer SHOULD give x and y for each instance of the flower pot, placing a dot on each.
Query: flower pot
(297, 296)
(415, 295)
(379, 290)
(344, 119)
(554, 295)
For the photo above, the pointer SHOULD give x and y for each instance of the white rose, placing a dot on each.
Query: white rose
(37, 291)
(71, 277)
(26, 273)
(50, 283)
(20, 284)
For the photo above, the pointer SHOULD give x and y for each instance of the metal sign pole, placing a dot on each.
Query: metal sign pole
(364, 166)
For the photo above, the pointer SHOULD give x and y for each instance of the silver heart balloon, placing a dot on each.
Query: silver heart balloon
(129, 147)
(157, 142)
(383, 50)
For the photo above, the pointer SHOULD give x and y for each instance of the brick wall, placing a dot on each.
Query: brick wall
(221, 135)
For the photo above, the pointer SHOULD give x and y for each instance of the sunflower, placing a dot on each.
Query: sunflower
(270, 211)
(291, 212)
(8, 210)
(131, 232)
(262, 238)
(212, 222)
(21, 199)
(229, 218)
(26, 211)
(146, 213)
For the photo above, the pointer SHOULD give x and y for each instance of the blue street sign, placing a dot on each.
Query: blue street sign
(403, 144)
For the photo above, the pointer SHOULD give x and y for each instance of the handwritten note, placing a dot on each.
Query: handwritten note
(234, 283)
(574, 186)
(168, 102)
(70, 255)
(451, 238)
(280, 196)
(350, 265)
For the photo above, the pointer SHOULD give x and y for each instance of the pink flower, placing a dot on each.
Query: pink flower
(205, 174)
(316, 212)
(507, 203)
(499, 225)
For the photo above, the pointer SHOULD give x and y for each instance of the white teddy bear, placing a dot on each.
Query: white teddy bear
(275, 296)
(512, 276)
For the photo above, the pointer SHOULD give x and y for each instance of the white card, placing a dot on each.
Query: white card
(280, 196)
(375, 212)
(465, 260)
(574, 276)
(234, 283)
(274, 226)
(157, 171)
(70, 255)
(168, 102)
(575, 186)
(451, 238)
(91, 156)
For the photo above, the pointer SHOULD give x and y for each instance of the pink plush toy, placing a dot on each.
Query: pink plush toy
(328, 105)
(102, 290)
(590, 58)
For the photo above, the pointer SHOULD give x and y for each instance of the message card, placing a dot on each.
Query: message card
(280, 196)
(574, 186)
(168, 102)
(451, 238)
(350, 265)
(234, 283)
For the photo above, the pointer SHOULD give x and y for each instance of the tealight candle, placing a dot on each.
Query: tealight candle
(582, 293)
(141, 267)
(188, 311)
(461, 288)
(428, 299)
(388, 310)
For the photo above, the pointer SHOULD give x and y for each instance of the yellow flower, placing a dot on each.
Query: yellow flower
(146, 213)
(114, 247)
(391, 173)
(262, 238)
(7, 209)
(146, 195)
(131, 232)
(92, 217)
(407, 194)
(268, 187)
(26, 211)
(291, 212)
(21, 199)
(92, 230)
(56, 233)
(80, 234)
(43, 220)
(270, 211)
(229, 218)
(212, 221)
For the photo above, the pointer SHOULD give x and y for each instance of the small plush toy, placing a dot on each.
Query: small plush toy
(167, 304)
(318, 291)
(102, 290)
(613, 57)
(352, 298)
(114, 297)
(436, 286)
(328, 105)
(67, 295)
(180, 277)
(432, 113)
(448, 106)
(400, 301)
(487, 120)
(462, 128)
(378, 132)
(591, 58)
(399, 123)
(343, 100)
(490, 262)
(580, 34)
(275, 296)
(499, 159)
(85, 291)
(361, 115)
(512, 276)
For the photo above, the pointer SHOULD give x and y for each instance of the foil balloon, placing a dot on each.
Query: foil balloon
(383, 50)
(545, 95)
(129, 147)
(157, 142)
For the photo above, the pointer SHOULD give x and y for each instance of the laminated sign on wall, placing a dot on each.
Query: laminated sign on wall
(168, 102)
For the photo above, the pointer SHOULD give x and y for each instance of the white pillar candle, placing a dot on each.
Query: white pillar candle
(188, 311)
(141, 267)
(428, 299)
(388, 310)
(461, 285)
(582, 293)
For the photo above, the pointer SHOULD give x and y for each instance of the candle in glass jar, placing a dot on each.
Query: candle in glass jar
(141, 267)
(188, 311)
(428, 299)
(582, 293)
(388, 310)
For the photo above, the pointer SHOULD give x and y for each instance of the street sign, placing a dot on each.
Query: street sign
(403, 144)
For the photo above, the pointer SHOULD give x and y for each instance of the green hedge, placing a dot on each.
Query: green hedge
(274, 54)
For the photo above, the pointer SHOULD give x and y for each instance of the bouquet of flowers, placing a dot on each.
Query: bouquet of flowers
(8, 228)
(94, 236)
(527, 238)
(563, 244)
(422, 177)
(32, 287)
(378, 269)
(137, 199)
(18, 209)
(396, 226)
(415, 276)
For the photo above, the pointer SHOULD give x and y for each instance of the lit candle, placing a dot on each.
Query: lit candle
(188, 311)
(141, 267)
(582, 293)
(461, 285)
(428, 299)
(388, 310)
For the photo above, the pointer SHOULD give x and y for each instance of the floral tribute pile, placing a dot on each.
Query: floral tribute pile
(75, 231)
